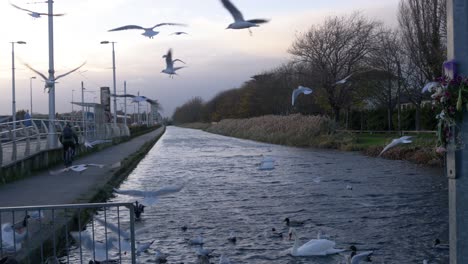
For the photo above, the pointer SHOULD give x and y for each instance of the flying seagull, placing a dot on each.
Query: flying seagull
(397, 141)
(343, 81)
(239, 21)
(170, 69)
(149, 32)
(151, 197)
(34, 14)
(298, 91)
(49, 83)
(430, 87)
(179, 33)
(77, 168)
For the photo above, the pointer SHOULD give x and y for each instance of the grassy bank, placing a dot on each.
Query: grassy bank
(316, 131)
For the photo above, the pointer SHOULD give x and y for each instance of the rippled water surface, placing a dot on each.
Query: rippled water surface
(394, 208)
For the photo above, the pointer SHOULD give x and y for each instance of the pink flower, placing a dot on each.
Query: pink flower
(441, 150)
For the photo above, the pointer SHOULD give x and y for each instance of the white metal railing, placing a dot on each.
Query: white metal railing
(30, 136)
(61, 234)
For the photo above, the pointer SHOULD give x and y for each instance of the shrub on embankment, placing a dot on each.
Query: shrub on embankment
(318, 131)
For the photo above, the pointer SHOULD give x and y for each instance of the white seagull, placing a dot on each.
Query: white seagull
(96, 247)
(170, 69)
(430, 87)
(298, 91)
(77, 168)
(151, 197)
(239, 21)
(149, 32)
(33, 13)
(343, 81)
(49, 83)
(397, 141)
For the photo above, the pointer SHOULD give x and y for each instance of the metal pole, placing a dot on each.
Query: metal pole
(31, 95)
(139, 119)
(73, 91)
(115, 91)
(125, 103)
(83, 116)
(52, 140)
(13, 99)
(457, 160)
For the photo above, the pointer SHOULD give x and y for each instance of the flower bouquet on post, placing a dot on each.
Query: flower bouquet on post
(451, 96)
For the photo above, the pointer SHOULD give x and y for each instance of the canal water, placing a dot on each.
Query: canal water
(394, 208)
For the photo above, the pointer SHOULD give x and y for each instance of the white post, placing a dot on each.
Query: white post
(457, 161)
(52, 139)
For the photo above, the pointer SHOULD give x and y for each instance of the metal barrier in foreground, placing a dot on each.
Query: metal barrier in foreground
(68, 233)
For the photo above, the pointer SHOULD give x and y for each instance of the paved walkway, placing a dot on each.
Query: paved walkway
(68, 187)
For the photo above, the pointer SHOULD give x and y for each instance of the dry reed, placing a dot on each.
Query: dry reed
(292, 130)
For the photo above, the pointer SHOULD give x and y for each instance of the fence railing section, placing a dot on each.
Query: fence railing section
(23, 138)
(68, 233)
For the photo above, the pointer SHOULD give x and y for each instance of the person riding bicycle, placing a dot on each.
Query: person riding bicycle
(69, 139)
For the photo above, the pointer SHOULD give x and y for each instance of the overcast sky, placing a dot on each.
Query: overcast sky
(217, 59)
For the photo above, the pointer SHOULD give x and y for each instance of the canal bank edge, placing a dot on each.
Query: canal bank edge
(344, 141)
(101, 193)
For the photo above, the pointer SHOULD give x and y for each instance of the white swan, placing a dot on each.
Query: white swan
(315, 247)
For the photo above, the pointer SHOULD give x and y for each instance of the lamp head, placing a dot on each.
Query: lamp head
(105, 42)
(20, 42)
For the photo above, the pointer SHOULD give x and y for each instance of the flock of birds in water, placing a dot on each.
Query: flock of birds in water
(14, 234)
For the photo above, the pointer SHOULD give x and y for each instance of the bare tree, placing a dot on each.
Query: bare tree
(386, 57)
(334, 50)
(424, 37)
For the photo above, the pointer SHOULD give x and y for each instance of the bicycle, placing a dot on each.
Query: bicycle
(68, 156)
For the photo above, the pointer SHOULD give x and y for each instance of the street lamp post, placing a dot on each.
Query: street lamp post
(30, 92)
(51, 139)
(13, 99)
(114, 81)
(73, 91)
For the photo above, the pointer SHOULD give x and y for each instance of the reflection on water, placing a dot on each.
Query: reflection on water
(394, 208)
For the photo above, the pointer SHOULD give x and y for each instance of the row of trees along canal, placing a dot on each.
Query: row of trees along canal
(389, 67)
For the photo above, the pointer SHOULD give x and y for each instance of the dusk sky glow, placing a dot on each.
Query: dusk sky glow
(217, 59)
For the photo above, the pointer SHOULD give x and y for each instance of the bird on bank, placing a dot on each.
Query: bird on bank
(50, 83)
(299, 90)
(149, 32)
(34, 14)
(397, 141)
(170, 69)
(239, 21)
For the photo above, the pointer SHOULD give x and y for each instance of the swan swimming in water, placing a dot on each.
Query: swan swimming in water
(315, 247)
(355, 258)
